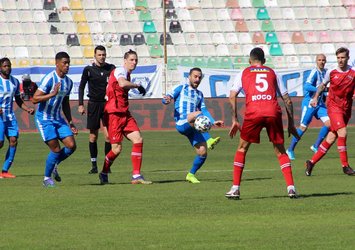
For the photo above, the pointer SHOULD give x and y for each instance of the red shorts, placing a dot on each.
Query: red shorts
(119, 125)
(251, 129)
(338, 120)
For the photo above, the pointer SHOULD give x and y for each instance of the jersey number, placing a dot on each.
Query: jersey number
(261, 83)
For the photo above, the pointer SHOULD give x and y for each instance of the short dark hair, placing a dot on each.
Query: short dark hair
(342, 50)
(4, 59)
(257, 54)
(61, 55)
(129, 52)
(195, 69)
(99, 47)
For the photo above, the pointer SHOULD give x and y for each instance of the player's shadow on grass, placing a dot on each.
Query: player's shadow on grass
(325, 194)
(168, 181)
(304, 196)
(229, 180)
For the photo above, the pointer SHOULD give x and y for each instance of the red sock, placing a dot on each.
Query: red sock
(343, 151)
(322, 150)
(285, 165)
(136, 157)
(109, 158)
(239, 161)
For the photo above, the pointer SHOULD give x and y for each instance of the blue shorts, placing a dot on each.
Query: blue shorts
(51, 130)
(319, 112)
(191, 133)
(8, 128)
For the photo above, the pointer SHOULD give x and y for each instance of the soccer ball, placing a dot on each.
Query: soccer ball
(202, 124)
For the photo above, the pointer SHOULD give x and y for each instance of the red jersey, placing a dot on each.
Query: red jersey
(117, 97)
(341, 90)
(260, 85)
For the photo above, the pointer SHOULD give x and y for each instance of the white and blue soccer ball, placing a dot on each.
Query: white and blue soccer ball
(202, 124)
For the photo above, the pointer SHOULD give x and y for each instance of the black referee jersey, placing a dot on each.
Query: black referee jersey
(97, 77)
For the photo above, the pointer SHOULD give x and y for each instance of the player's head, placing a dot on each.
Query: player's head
(5, 67)
(130, 60)
(342, 57)
(100, 55)
(257, 55)
(62, 63)
(195, 77)
(321, 60)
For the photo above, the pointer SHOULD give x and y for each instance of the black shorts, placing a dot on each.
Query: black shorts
(95, 112)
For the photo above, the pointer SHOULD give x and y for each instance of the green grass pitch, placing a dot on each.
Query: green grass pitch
(172, 214)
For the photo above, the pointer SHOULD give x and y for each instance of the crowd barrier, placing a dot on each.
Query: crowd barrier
(151, 114)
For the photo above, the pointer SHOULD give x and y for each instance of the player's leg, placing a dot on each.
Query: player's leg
(9, 158)
(133, 134)
(323, 116)
(322, 150)
(306, 118)
(342, 149)
(115, 133)
(51, 161)
(238, 167)
(12, 132)
(274, 128)
(250, 133)
(93, 150)
(93, 124)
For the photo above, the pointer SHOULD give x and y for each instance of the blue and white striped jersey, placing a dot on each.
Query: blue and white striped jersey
(313, 80)
(186, 101)
(8, 89)
(51, 109)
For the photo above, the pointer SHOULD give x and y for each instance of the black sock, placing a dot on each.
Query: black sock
(93, 153)
(107, 147)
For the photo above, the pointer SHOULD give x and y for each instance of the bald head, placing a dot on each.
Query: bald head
(321, 61)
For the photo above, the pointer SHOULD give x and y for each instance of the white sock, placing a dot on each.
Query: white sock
(291, 187)
(46, 178)
(136, 175)
(235, 188)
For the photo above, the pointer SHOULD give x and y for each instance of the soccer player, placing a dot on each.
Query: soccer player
(308, 112)
(52, 95)
(119, 121)
(339, 102)
(188, 105)
(261, 86)
(9, 88)
(96, 75)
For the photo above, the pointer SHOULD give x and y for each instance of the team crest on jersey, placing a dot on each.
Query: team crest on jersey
(143, 81)
(258, 70)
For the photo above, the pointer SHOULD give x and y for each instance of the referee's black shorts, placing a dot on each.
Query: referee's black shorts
(95, 112)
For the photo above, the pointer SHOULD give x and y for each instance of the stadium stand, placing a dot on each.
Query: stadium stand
(205, 33)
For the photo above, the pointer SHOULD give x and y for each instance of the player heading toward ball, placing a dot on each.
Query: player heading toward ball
(261, 86)
(189, 104)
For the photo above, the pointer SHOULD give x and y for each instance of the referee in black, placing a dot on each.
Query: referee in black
(97, 76)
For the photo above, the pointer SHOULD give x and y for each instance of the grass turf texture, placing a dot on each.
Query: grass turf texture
(172, 214)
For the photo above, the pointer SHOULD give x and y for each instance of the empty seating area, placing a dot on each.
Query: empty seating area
(205, 33)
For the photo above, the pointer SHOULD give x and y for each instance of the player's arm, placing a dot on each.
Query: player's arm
(282, 91)
(83, 81)
(233, 93)
(41, 96)
(19, 101)
(67, 114)
(124, 83)
(320, 89)
(234, 113)
(311, 82)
